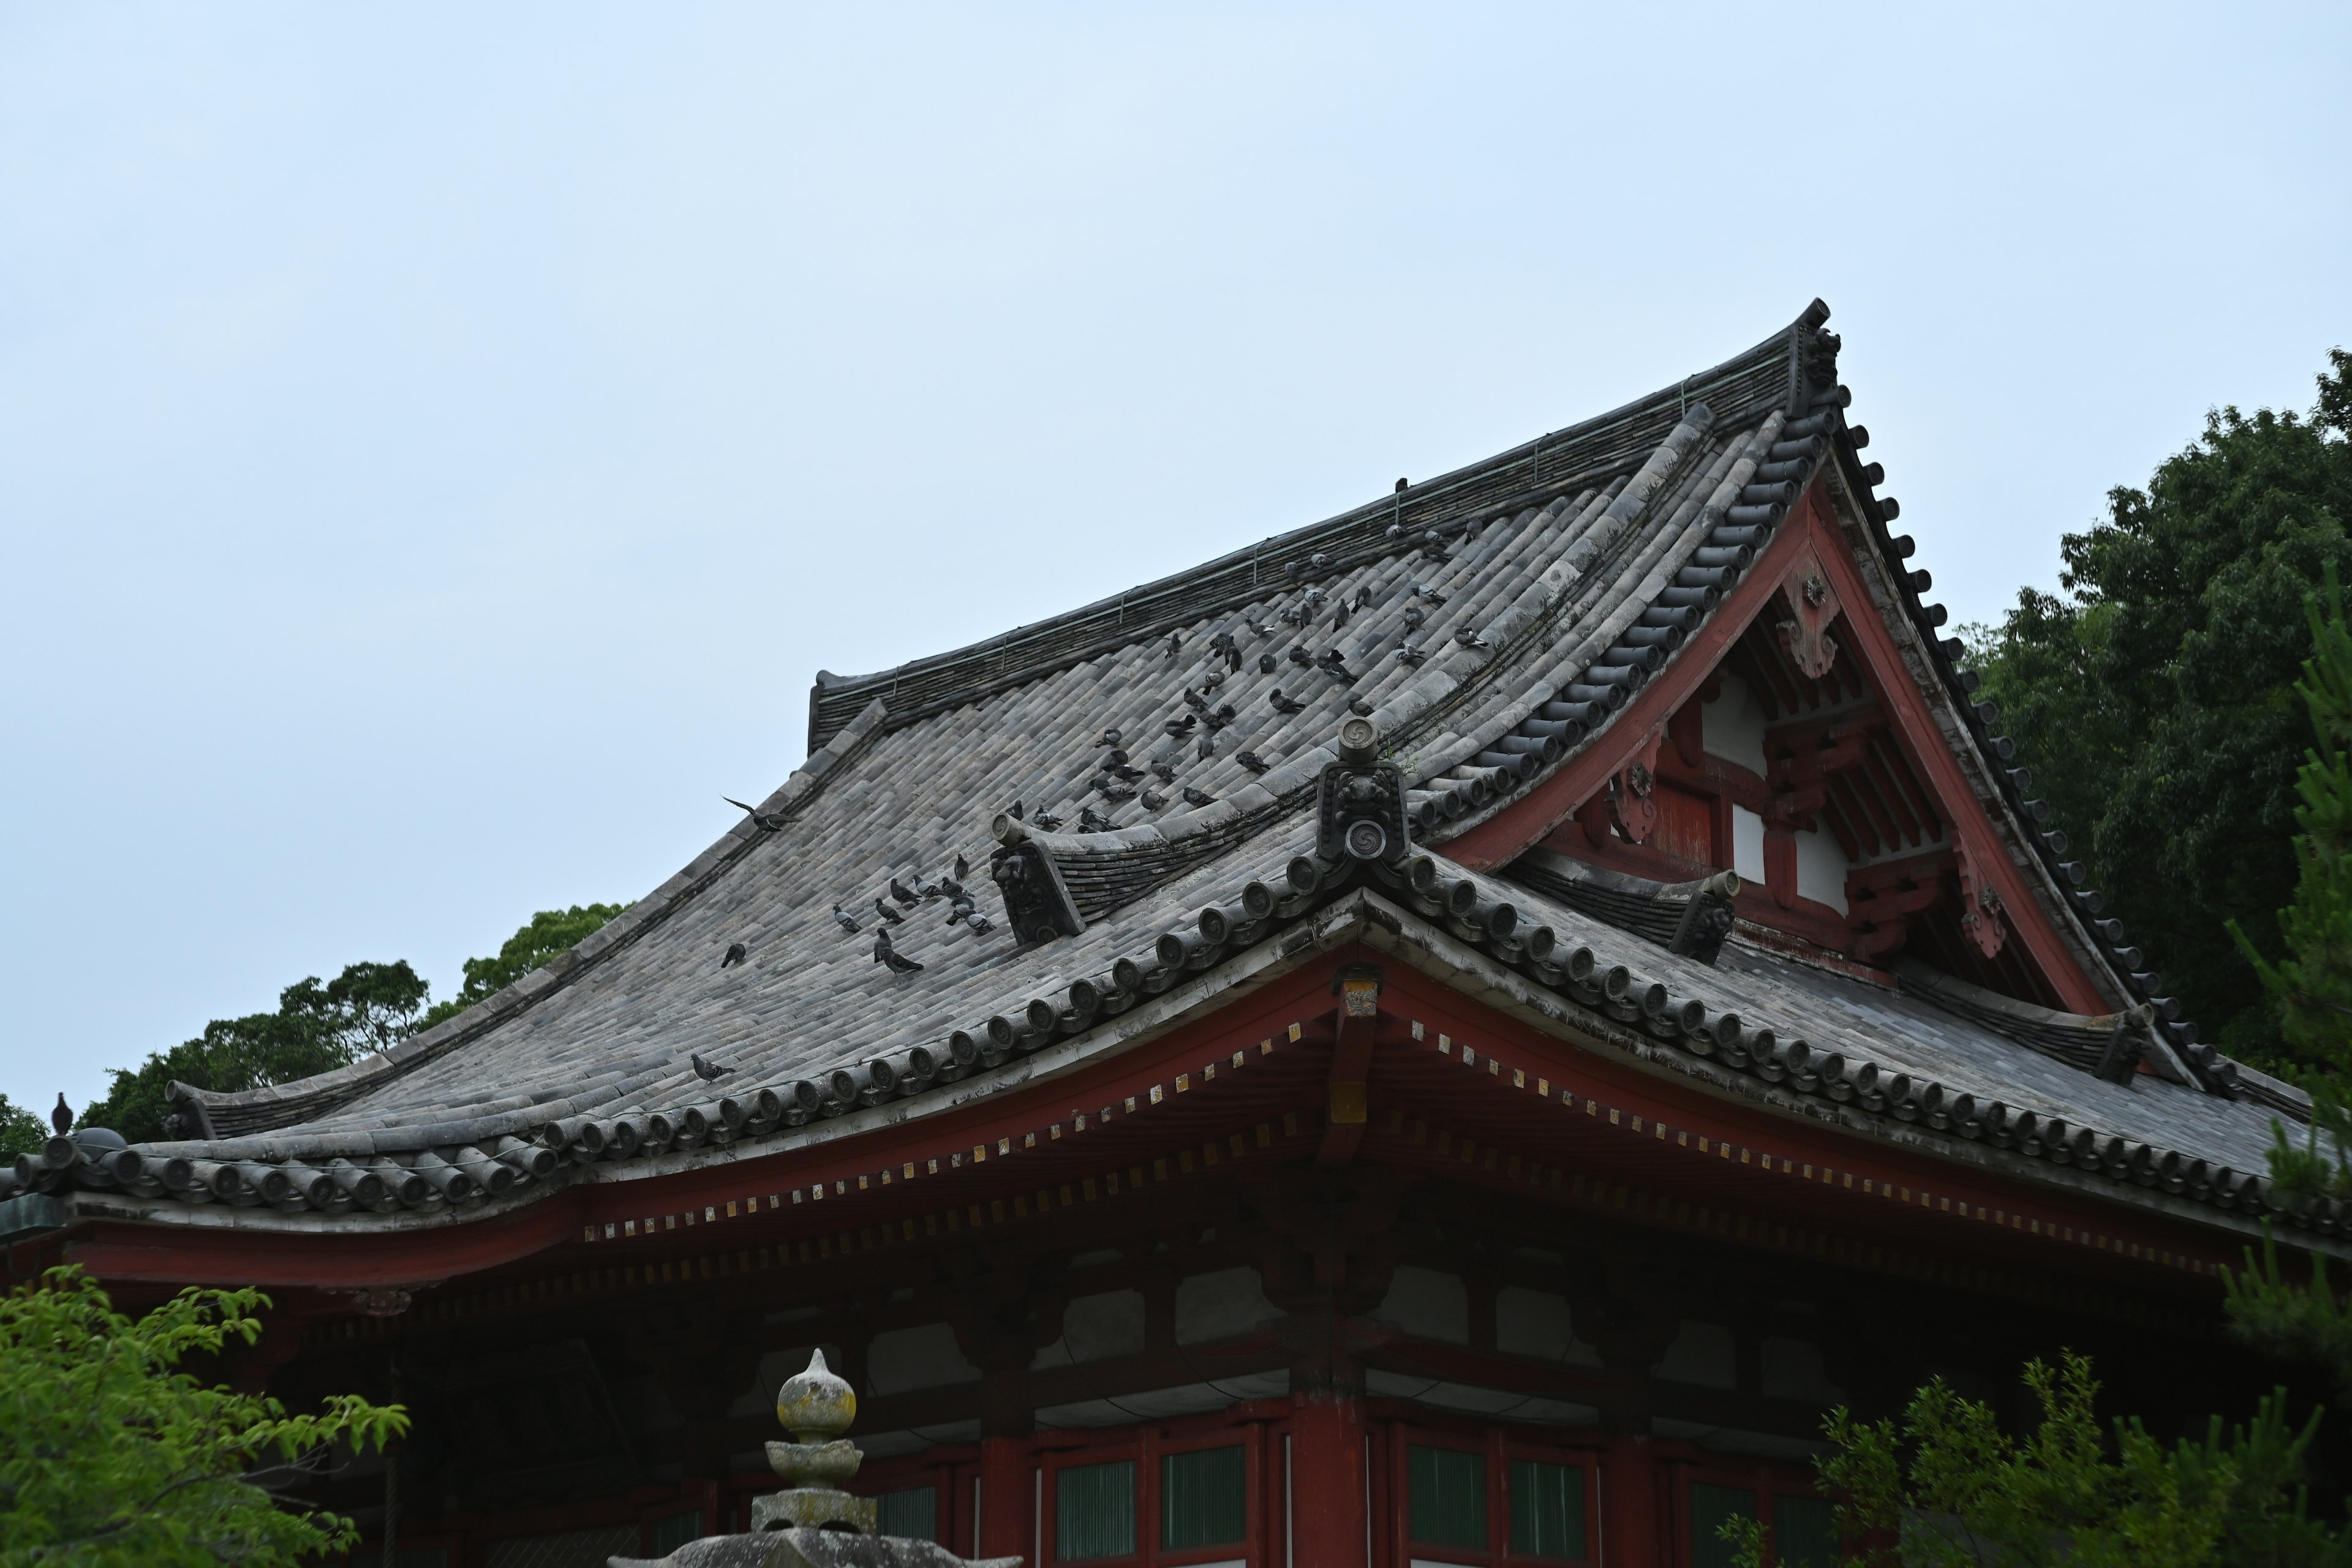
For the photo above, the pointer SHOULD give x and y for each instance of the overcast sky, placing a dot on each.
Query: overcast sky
(438, 444)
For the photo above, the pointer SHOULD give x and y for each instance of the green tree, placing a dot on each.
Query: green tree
(1955, 1491)
(2155, 699)
(550, 934)
(317, 1027)
(115, 1459)
(21, 1131)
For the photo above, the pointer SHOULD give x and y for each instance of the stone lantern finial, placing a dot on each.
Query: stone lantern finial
(816, 1407)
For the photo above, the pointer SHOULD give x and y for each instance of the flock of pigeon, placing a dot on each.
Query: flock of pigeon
(1118, 779)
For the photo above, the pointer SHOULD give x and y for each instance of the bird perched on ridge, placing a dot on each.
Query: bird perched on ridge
(765, 821)
(1360, 708)
(1341, 618)
(890, 957)
(1470, 639)
(1127, 772)
(1411, 655)
(1296, 614)
(1298, 654)
(1154, 801)
(1016, 812)
(1110, 737)
(961, 909)
(1413, 617)
(882, 908)
(848, 921)
(1253, 762)
(1175, 644)
(1195, 701)
(1225, 714)
(61, 1116)
(1118, 794)
(1207, 748)
(1198, 797)
(1268, 664)
(903, 895)
(1180, 728)
(1163, 770)
(1432, 595)
(1092, 821)
(1332, 663)
(706, 1070)
(1364, 597)
(962, 867)
(1046, 820)
(735, 953)
(1212, 681)
(1258, 628)
(979, 924)
(1284, 704)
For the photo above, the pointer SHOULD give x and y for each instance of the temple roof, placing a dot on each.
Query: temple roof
(1487, 623)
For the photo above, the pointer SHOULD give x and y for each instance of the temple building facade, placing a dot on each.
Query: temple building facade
(1450, 1036)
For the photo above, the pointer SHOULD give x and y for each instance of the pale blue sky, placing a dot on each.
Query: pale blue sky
(437, 444)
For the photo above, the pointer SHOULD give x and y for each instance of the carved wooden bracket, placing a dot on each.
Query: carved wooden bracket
(1632, 791)
(1982, 914)
(1807, 605)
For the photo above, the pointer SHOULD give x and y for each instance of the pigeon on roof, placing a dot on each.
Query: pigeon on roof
(903, 895)
(61, 1116)
(1154, 801)
(1163, 770)
(735, 953)
(1411, 655)
(962, 867)
(765, 821)
(1092, 821)
(1180, 728)
(843, 918)
(706, 1070)
(1208, 746)
(1360, 708)
(882, 908)
(1046, 820)
(890, 957)
(1198, 797)
(1284, 704)
(1253, 762)
(1364, 597)
(1268, 664)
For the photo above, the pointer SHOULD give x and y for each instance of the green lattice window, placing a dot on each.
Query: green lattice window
(1093, 1511)
(1547, 1509)
(1204, 1497)
(1804, 1532)
(912, 1511)
(1446, 1496)
(1710, 1507)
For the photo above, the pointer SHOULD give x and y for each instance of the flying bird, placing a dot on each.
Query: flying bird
(904, 896)
(883, 909)
(706, 1070)
(1154, 801)
(848, 923)
(735, 953)
(890, 957)
(1253, 762)
(1284, 704)
(765, 821)
(1198, 797)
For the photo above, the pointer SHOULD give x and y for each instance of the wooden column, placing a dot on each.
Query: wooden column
(1629, 1505)
(1329, 1513)
(1008, 1501)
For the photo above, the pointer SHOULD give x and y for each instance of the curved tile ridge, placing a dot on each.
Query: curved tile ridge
(1678, 1002)
(1743, 386)
(1664, 590)
(216, 1114)
(1671, 999)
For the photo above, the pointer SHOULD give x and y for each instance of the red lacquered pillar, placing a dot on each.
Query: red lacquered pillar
(1328, 1511)
(1629, 1506)
(1008, 1502)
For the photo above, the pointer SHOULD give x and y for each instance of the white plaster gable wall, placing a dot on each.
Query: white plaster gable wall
(1748, 845)
(1792, 1369)
(1732, 726)
(925, 1356)
(1820, 869)
(1221, 1306)
(1537, 1323)
(1427, 1304)
(1095, 1328)
(1702, 1354)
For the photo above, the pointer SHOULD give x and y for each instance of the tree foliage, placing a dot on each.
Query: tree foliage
(550, 934)
(21, 1131)
(316, 1027)
(115, 1459)
(2155, 698)
(1946, 1488)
